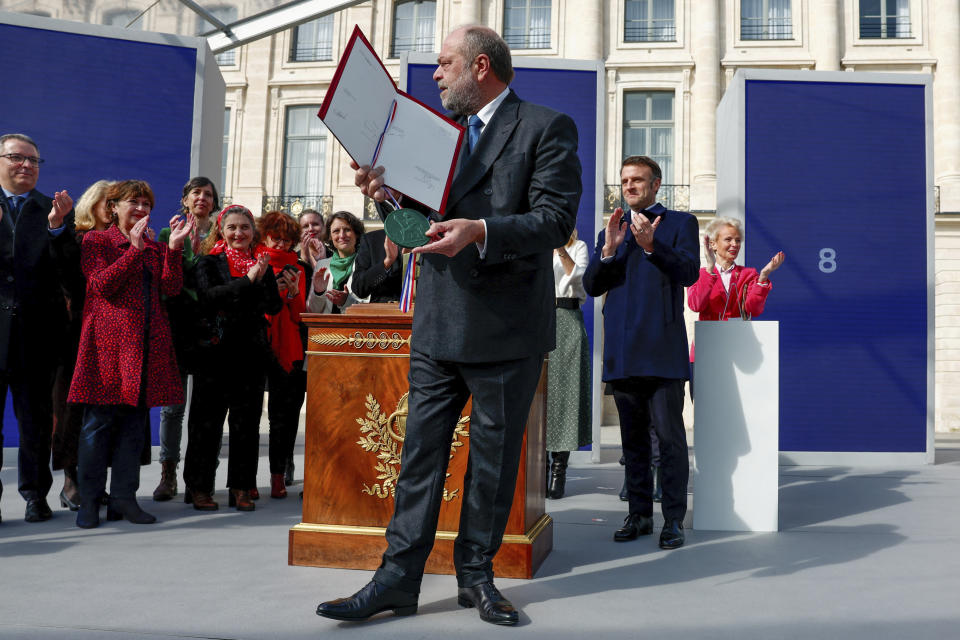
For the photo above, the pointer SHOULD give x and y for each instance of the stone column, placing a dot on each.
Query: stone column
(825, 33)
(584, 30)
(945, 45)
(705, 39)
(469, 13)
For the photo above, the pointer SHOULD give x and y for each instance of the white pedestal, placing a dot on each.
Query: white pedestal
(736, 426)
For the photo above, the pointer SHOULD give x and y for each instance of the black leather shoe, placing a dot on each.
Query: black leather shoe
(634, 525)
(37, 510)
(493, 607)
(121, 508)
(671, 536)
(369, 601)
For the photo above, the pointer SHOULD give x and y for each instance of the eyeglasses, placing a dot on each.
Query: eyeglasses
(16, 158)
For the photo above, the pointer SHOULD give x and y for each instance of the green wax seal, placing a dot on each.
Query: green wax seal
(407, 228)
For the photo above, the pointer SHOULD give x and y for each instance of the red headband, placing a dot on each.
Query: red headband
(227, 209)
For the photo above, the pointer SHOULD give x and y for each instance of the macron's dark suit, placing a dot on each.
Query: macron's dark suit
(645, 350)
(369, 276)
(33, 329)
(481, 327)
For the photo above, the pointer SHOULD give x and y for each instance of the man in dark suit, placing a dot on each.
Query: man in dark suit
(377, 269)
(642, 261)
(483, 320)
(33, 314)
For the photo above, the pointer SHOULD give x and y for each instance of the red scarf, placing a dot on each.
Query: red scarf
(238, 261)
(284, 331)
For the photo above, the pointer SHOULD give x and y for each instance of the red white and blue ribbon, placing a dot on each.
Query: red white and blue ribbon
(391, 114)
(406, 293)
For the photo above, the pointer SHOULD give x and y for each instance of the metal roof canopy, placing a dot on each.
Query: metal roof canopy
(266, 23)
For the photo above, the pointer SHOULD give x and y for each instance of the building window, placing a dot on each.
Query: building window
(413, 26)
(226, 147)
(123, 18)
(305, 146)
(648, 128)
(313, 41)
(526, 24)
(649, 21)
(227, 15)
(884, 18)
(765, 20)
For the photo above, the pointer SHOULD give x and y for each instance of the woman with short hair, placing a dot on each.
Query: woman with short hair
(126, 362)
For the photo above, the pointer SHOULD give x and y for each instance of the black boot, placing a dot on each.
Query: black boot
(558, 474)
(657, 487)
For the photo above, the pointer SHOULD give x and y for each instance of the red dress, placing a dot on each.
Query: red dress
(711, 300)
(110, 361)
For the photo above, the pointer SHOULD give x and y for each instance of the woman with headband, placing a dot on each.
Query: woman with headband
(235, 291)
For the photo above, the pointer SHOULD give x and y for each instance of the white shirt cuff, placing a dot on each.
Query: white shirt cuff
(482, 248)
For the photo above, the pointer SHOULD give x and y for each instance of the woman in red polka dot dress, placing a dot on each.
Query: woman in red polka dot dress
(125, 362)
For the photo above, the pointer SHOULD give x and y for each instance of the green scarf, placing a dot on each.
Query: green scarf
(340, 269)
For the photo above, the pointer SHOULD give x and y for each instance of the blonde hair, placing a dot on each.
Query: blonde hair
(84, 219)
(717, 224)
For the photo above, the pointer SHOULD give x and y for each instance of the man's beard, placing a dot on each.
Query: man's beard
(463, 95)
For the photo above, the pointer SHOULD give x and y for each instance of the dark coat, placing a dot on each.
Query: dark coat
(32, 267)
(233, 327)
(119, 331)
(523, 179)
(369, 276)
(643, 329)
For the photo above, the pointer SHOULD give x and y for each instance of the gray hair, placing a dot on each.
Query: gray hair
(479, 39)
(717, 224)
(22, 137)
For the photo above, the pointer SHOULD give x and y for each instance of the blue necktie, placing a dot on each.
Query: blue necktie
(474, 125)
(15, 202)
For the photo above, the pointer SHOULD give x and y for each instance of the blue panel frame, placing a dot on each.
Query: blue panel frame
(836, 176)
(101, 108)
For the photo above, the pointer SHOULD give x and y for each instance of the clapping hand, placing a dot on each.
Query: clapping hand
(615, 233)
(138, 231)
(180, 228)
(337, 297)
(62, 205)
(772, 266)
(391, 251)
(643, 231)
(255, 273)
(709, 256)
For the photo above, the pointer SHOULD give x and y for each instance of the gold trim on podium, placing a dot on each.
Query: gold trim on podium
(528, 538)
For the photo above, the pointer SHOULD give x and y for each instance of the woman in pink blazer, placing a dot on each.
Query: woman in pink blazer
(726, 290)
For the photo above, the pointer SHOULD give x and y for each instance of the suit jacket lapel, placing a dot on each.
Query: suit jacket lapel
(495, 136)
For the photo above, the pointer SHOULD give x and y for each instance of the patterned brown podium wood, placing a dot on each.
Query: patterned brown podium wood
(356, 410)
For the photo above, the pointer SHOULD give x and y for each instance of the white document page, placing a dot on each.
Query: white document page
(360, 104)
(418, 152)
(419, 148)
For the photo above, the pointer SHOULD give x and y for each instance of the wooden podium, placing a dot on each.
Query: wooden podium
(356, 417)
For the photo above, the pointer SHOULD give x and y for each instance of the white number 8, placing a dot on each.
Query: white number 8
(828, 260)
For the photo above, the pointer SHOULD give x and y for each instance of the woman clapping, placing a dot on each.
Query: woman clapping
(125, 362)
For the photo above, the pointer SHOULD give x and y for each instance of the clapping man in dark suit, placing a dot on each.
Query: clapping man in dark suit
(643, 260)
(377, 269)
(484, 318)
(33, 314)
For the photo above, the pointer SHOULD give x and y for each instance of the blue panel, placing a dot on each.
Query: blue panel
(101, 108)
(571, 92)
(836, 178)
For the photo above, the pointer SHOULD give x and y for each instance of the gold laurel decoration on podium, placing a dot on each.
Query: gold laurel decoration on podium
(383, 435)
(359, 341)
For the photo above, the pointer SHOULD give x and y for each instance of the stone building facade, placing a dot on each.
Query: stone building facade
(667, 65)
